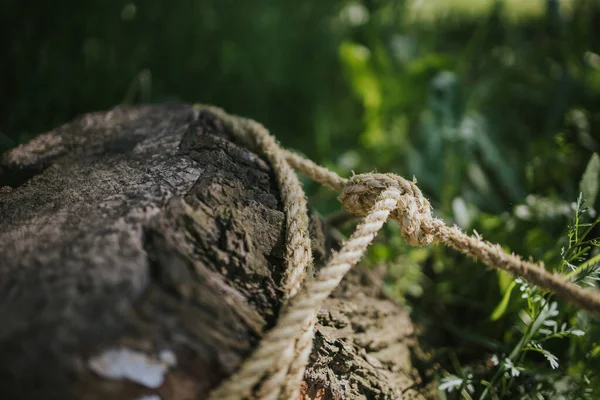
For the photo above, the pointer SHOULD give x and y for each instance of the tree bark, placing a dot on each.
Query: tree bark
(141, 252)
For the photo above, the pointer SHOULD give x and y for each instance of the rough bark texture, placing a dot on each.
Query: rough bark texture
(141, 253)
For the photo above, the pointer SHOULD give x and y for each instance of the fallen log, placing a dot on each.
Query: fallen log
(141, 253)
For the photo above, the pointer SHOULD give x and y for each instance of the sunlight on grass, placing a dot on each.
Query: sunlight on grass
(428, 10)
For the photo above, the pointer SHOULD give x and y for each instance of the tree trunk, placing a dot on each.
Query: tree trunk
(140, 255)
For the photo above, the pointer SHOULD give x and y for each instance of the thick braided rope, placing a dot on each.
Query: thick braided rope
(419, 228)
(297, 368)
(366, 186)
(378, 196)
(298, 263)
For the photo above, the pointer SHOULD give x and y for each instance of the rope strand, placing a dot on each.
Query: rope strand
(276, 368)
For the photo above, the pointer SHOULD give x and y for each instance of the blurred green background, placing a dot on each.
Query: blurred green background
(494, 107)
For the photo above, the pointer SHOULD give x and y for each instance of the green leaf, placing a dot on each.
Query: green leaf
(502, 306)
(504, 280)
(380, 252)
(590, 181)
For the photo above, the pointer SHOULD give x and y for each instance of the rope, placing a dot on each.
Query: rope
(286, 362)
(275, 370)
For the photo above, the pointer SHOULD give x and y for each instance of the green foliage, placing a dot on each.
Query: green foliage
(493, 105)
(499, 136)
(540, 324)
(590, 181)
(518, 373)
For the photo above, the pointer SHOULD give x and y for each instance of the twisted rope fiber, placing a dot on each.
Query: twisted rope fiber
(357, 195)
(285, 348)
(298, 265)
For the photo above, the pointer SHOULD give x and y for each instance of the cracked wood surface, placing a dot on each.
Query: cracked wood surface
(141, 253)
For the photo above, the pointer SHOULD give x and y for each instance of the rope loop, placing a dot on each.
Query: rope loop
(413, 213)
(274, 371)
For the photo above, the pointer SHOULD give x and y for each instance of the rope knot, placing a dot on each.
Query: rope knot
(413, 212)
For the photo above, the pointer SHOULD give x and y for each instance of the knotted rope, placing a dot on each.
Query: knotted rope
(276, 368)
